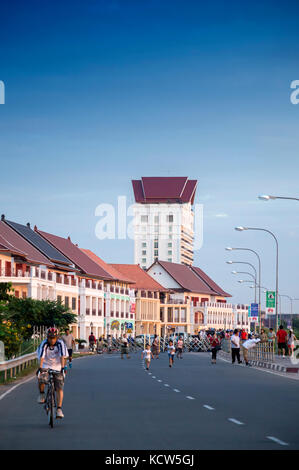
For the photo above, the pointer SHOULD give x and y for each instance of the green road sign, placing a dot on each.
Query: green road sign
(270, 299)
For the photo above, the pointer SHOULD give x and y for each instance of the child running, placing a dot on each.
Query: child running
(147, 353)
(171, 353)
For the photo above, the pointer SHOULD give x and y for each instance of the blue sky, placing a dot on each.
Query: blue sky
(100, 92)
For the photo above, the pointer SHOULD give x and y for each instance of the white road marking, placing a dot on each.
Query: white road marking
(166, 385)
(278, 441)
(190, 398)
(176, 390)
(159, 380)
(208, 407)
(13, 388)
(153, 376)
(235, 421)
(149, 373)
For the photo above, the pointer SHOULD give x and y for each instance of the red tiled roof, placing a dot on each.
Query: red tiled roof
(191, 280)
(77, 256)
(162, 189)
(142, 279)
(117, 275)
(5, 246)
(31, 253)
(209, 281)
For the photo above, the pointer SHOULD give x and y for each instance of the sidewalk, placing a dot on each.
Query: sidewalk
(279, 364)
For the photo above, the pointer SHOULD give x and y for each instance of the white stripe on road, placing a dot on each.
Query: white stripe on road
(235, 421)
(153, 376)
(166, 385)
(159, 380)
(13, 388)
(208, 407)
(190, 398)
(278, 441)
(176, 390)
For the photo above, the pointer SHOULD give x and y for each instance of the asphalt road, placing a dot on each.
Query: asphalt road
(116, 404)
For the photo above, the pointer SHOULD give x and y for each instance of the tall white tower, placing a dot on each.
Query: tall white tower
(163, 220)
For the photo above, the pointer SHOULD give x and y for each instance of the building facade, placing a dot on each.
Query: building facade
(163, 220)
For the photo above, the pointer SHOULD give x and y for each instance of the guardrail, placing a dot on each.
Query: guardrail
(17, 365)
(261, 352)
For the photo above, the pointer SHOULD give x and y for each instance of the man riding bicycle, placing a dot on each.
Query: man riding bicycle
(52, 354)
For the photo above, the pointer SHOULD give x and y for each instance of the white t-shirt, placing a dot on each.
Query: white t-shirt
(236, 339)
(250, 343)
(147, 354)
(171, 349)
(52, 354)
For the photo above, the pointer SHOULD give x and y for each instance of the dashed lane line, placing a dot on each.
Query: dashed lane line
(190, 398)
(176, 390)
(278, 441)
(208, 407)
(233, 420)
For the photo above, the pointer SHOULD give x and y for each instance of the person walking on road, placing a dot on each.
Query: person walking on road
(155, 347)
(52, 354)
(69, 341)
(215, 345)
(92, 341)
(281, 340)
(291, 342)
(124, 347)
(249, 344)
(180, 346)
(171, 353)
(235, 346)
(147, 355)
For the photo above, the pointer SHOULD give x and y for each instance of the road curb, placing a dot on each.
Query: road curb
(267, 365)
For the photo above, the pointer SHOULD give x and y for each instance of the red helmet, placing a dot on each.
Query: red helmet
(52, 332)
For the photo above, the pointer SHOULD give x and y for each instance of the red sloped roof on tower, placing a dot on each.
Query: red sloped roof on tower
(117, 275)
(141, 278)
(164, 189)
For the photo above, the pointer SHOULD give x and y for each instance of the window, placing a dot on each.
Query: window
(143, 245)
(156, 228)
(169, 260)
(59, 298)
(156, 253)
(170, 228)
(170, 253)
(156, 219)
(144, 218)
(74, 303)
(156, 244)
(169, 218)
(143, 261)
(169, 245)
(143, 252)
(66, 302)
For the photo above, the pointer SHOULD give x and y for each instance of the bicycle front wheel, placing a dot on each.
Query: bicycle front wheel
(52, 408)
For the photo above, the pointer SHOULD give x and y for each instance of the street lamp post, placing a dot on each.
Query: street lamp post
(249, 274)
(241, 229)
(260, 269)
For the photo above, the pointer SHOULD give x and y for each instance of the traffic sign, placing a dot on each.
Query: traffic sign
(270, 299)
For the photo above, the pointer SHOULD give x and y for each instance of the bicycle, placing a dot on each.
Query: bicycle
(50, 402)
